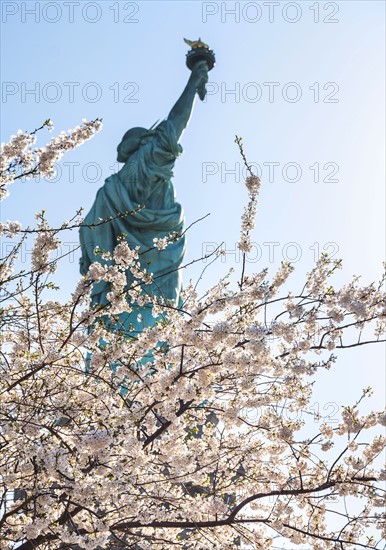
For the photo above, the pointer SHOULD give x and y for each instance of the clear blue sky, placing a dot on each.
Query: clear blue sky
(324, 108)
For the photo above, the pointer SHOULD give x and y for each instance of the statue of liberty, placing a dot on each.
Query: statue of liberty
(145, 181)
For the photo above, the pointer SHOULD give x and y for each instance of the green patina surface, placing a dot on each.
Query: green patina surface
(145, 181)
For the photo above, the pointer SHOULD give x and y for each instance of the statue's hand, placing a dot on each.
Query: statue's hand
(199, 77)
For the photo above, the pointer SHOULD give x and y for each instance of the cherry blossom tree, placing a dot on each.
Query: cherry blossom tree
(206, 443)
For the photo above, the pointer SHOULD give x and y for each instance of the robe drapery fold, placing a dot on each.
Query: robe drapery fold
(145, 182)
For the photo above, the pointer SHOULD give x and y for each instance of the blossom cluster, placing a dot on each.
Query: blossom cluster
(10, 228)
(252, 183)
(45, 242)
(19, 159)
(162, 242)
(53, 152)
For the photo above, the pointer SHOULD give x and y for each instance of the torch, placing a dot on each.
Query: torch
(199, 51)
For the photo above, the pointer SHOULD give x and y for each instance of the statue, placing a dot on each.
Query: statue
(145, 180)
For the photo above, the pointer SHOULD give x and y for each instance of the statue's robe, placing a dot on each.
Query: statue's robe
(145, 181)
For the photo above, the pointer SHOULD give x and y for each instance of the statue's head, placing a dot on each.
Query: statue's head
(130, 143)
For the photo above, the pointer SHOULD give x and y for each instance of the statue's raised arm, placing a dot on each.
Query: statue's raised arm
(180, 114)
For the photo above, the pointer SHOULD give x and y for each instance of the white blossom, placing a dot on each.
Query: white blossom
(172, 436)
